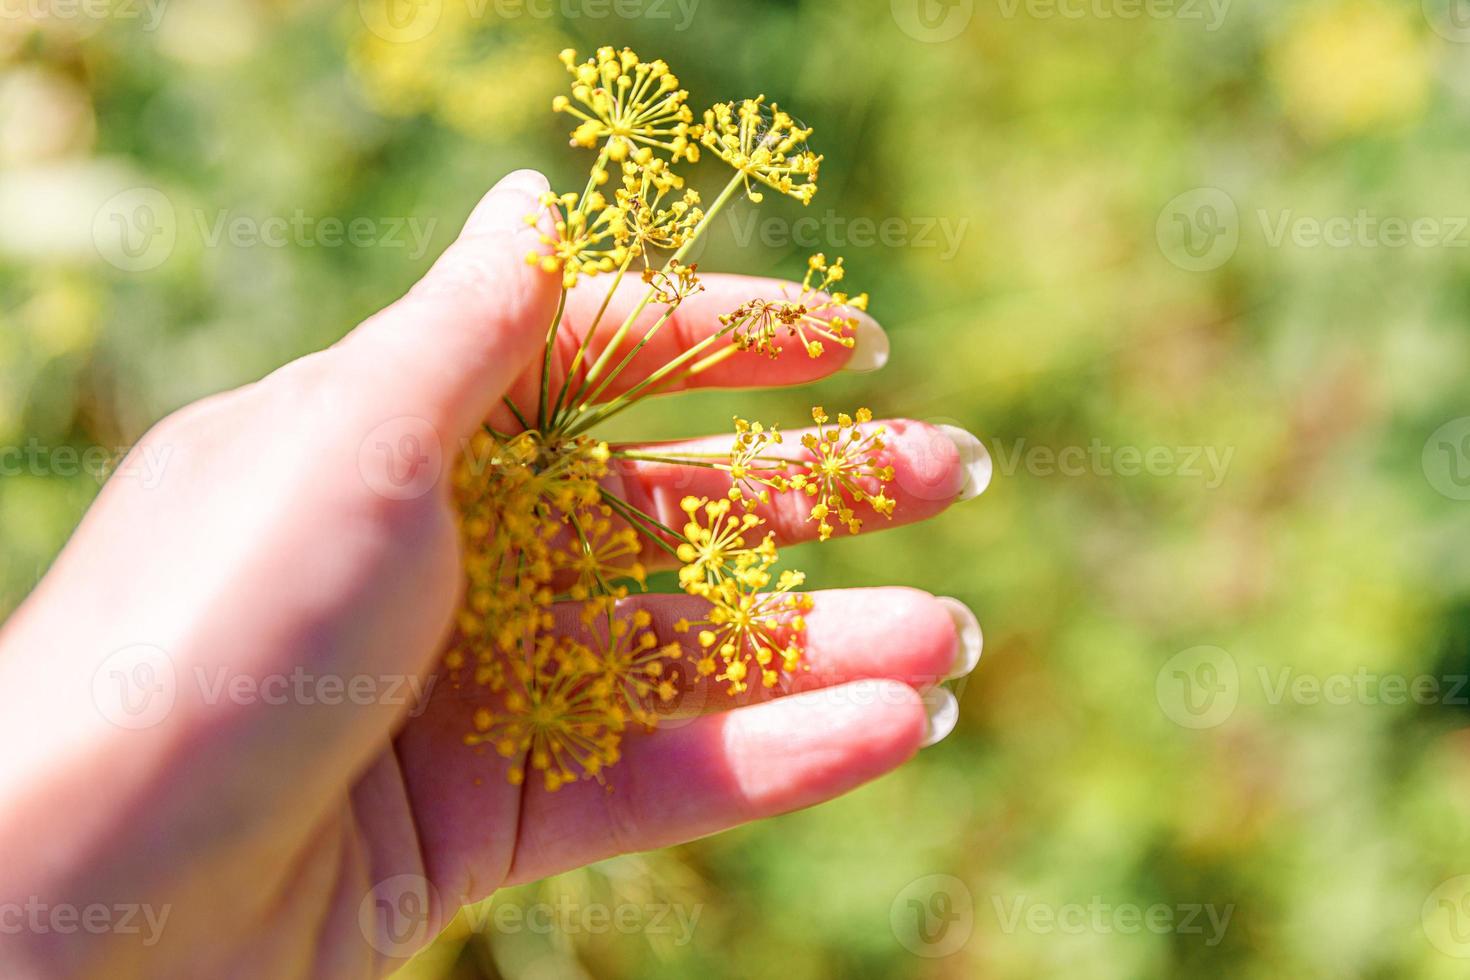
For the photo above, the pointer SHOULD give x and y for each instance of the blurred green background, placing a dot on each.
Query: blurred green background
(1198, 273)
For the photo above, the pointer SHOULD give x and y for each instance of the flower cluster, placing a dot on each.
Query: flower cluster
(814, 316)
(552, 548)
(764, 144)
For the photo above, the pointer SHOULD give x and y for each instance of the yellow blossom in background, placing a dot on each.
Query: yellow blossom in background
(1353, 67)
(477, 74)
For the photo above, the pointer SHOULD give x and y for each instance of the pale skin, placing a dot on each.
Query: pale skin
(263, 826)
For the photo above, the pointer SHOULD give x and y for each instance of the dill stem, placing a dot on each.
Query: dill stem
(617, 339)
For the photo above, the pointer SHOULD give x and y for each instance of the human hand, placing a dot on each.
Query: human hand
(211, 714)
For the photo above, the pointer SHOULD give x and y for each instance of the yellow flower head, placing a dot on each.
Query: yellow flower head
(649, 222)
(627, 104)
(589, 238)
(765, 144)
(555, 714)
(756, 466)
(716, 547)
(635, 668)
(674, 284)
(550, 539)
(846, 463)
(601, 556)
(814, 318)
(748, 632)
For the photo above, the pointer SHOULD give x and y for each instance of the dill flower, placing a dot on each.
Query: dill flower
(757, 324)
(624, 101)
(601, 555)
(765, 144)
(587, 238)
(555, 714)
(715, 548)
(673, 285)
(649, 223)
(749, 632)
(846, 463)
(636, 668)
(755, 467)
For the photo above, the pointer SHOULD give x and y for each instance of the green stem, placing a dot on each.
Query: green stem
(583, 347)
(672, 460)
(627, 359)
(649, 525)
(561, 306)
(628, 397)
(561, 303)
(622, 332)
(516, 412)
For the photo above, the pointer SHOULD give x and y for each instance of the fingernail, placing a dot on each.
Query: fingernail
(973, 457)
(941, 714)
(972, 641)
(871, 351)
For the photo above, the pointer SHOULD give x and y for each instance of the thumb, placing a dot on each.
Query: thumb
(447, 350)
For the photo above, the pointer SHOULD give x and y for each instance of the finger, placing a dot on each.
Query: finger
(720, 771)
(699, 316)
(900, 635)
(465, 809)
(934, 466)
(895, 634)
(695, 320)
(447, 350)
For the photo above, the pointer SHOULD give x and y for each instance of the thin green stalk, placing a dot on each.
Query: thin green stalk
(585, 345)
(628, 397)
(561, 306)
(561, 302)
(719, 461)
(622, 332)
(627, 359)
(516, 412)
(650, 526)
(673, 460)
